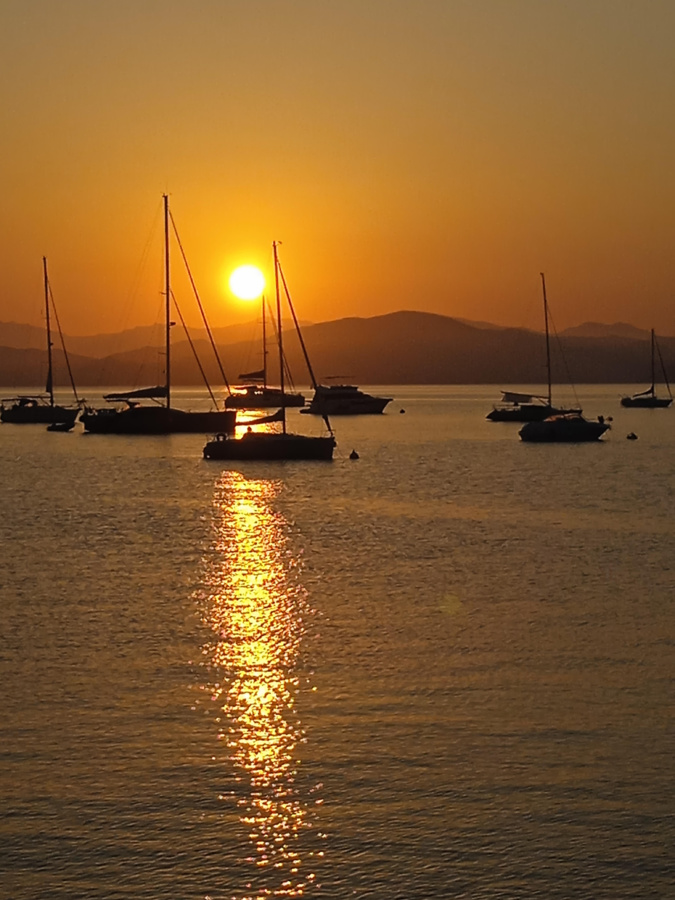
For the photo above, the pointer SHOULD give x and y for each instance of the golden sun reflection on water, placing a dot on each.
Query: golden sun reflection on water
(255, 606)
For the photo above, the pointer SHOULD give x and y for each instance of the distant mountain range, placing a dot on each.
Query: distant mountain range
(597, 330)
(29, 337)
(397, 348)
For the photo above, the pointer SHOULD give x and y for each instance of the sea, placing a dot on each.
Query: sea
(441, 670)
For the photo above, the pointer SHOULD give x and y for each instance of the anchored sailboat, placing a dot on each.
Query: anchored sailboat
(42, 409)
(257, 394)
(648, 399)
(561, 426)
(275, 445)
(159, 418)
(521, 407)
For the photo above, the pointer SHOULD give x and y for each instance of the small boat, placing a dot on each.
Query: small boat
(344, 400)
(260, 396)
(41, 409)
(648, 399)
(134, 417)
(567, 428)
(257, 394)
(35, 409)
(60, 426)
(274, 446)
(517, 407)
(142, 419)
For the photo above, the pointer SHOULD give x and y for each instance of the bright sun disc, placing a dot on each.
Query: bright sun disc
(247, 282)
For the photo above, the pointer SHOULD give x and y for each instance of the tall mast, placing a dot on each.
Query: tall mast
(167, 307)
(50, 384)
(279, 333)
(264, 339)
(548, 343)
(653, 375)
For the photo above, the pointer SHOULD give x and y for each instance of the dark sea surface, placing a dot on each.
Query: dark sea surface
(444, 670)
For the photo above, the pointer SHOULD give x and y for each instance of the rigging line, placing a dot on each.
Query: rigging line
(287, 368)
(289, 377)
(250, 362)
(159, 369)
(156, 372)
(63, 344)
(199, 304)
(302, 342)
(194, 350)
(130, 301)
(297, 328)
(564, 359)
(663, 366)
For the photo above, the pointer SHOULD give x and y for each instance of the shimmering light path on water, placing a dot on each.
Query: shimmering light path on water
(444, 670)
(257, 608)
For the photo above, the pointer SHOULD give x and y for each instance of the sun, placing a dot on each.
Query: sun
(247, 282)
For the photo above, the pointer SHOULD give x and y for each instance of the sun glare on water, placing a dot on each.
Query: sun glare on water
(247, 282)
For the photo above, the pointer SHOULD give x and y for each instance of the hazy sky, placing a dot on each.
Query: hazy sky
(409, 154)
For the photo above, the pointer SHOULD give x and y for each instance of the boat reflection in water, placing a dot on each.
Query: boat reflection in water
(256, 607)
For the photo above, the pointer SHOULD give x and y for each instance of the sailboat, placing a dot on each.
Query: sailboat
(521, 407)
(257, 394)
(41, 409)
(275, 445)
(161, 417)
(648, 399)
(562, 426)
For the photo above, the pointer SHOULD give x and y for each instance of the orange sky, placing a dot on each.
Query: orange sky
(431, 155)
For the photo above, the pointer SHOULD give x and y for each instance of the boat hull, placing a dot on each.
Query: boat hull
(344, 400)
(157, 420)
(348, 408)
(39, 415)
(563, 430)
(646, 402)
(525, 412)
(263, 399)
(270, 447)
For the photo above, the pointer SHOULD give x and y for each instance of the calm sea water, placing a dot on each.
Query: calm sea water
(444, 670)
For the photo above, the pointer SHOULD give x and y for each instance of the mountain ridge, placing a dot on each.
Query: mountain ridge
(24, 336)
(401, 347)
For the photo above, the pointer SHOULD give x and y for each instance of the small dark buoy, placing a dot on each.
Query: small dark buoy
(401, 411)
(632, 436)
(353, 455)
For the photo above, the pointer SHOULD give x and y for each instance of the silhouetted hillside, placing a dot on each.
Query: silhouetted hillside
(598, 330)
(398, 348)
(422, 348)
(30, 337)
